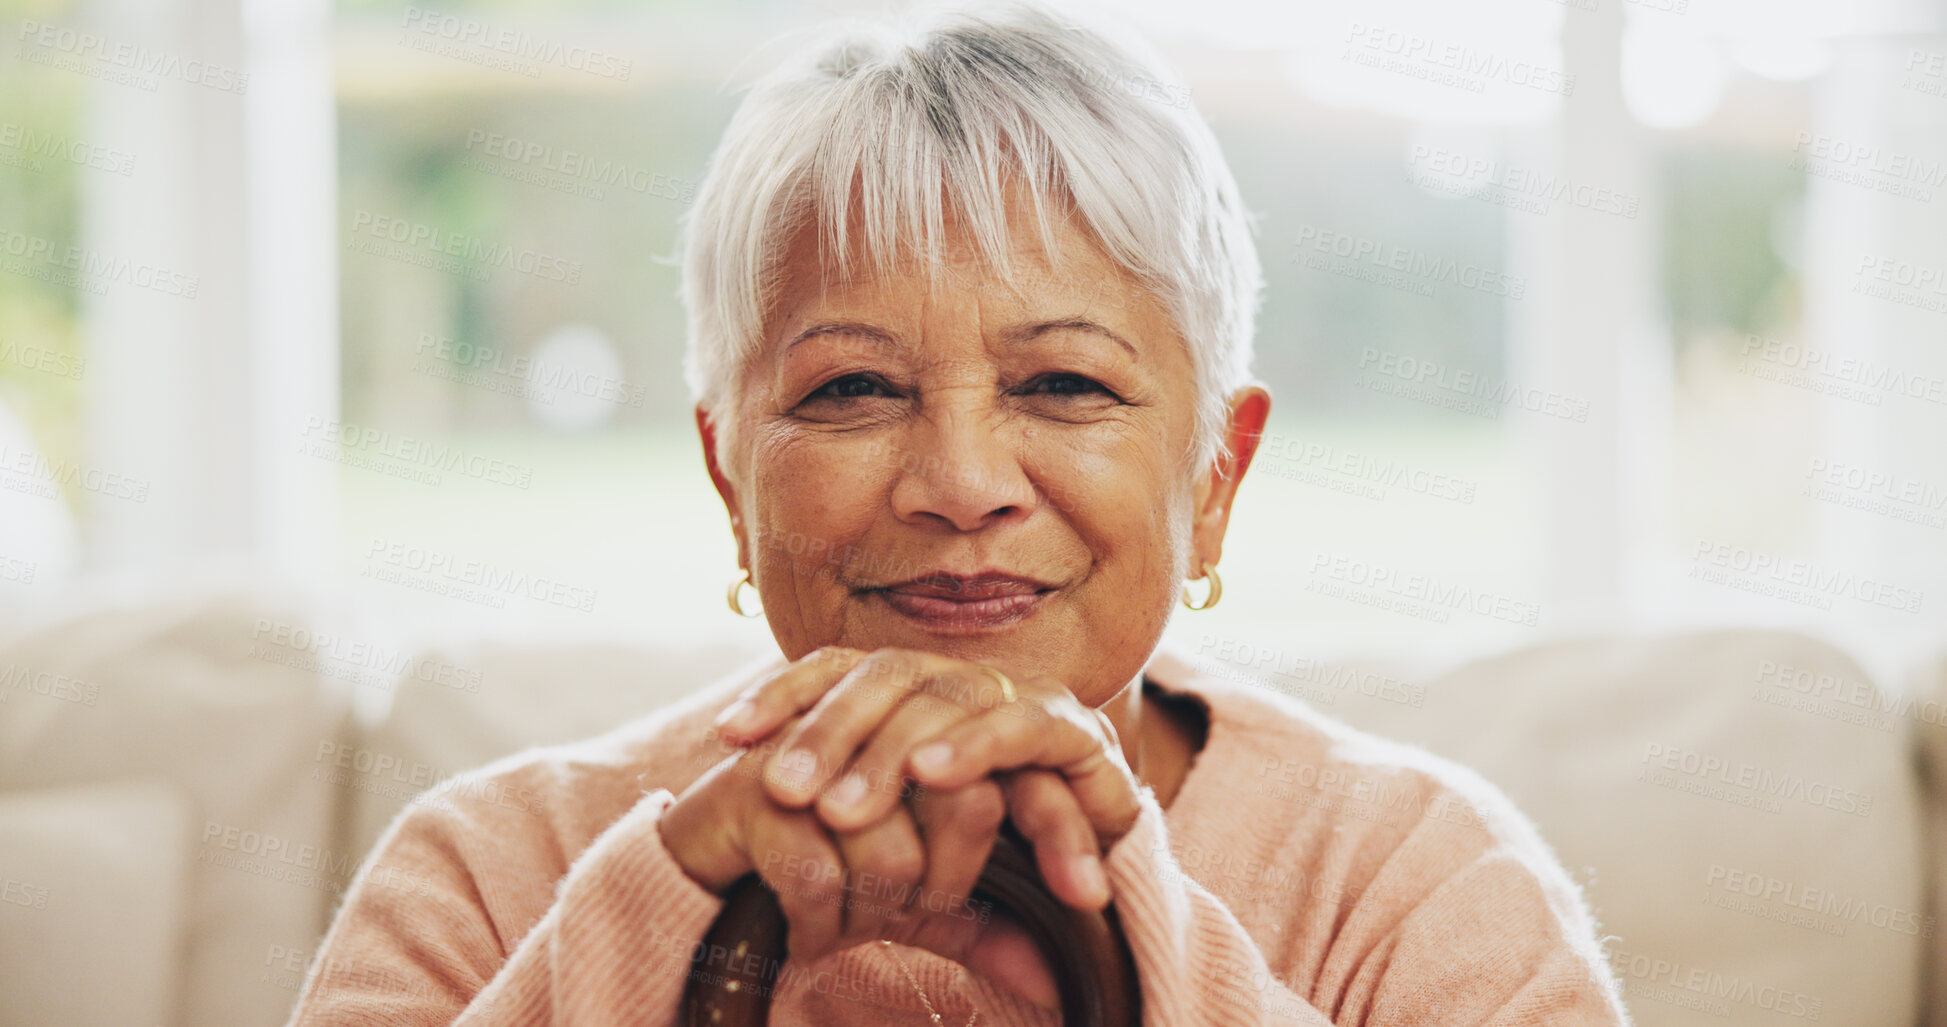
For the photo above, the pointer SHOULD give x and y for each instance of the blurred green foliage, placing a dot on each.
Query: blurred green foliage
(432, 160)
(1722, 274)
(40, 198)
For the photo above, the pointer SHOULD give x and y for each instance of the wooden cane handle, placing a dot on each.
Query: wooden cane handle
(735, 971)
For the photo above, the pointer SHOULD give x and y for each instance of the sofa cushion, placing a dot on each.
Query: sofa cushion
(92, 882)
(460, 706)
(1924, 704)
(1740, 805)
(177, 688)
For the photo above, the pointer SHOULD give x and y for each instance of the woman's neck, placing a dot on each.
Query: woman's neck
(1158, 745)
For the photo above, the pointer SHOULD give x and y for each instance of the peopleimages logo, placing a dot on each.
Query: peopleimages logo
(370, 771)
(1227, 656)
(1820, 687)
(72, 50)
(28, 467)
(1449, 63)
(1412, 593)
(515, 44)
(1837, 151)
(20, 893)
(42, 359)
(550, 377)
(1797, 581)
(475, 580)
(577, 166)
(415, 236)
(48, 683)
(1372, 474)
(1462, 389)
(19, 571)
(1762, 782)
(1524, 188)
(1874, 491)
(1822, 902)
(1415, 270)
(1834, 372)
(91, 268)
(420, 453)
(1925, 72)
(325, 651)
(56, 147)
(1704, 989)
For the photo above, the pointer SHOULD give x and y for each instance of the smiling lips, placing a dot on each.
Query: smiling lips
(956, 604)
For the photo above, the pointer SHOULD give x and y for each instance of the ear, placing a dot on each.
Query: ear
(1217, 488)
(707, 429)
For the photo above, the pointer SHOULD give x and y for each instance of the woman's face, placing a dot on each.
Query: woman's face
(942, 462)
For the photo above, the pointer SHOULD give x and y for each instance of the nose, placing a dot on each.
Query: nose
(961, 468)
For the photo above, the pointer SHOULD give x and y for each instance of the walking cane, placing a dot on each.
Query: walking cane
(1093, 968)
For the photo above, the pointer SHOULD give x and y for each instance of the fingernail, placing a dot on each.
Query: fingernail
(933, 757)
(794, 769)
(1088, 873)
(848, 792)
(737, 718)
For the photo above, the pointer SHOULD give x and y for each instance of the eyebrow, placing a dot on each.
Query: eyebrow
(1025, 333)
(1014, 336)
(870, 331)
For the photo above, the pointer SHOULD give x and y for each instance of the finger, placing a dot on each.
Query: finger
(817, 745)
(875, 782)
(706, 830)
(1044, 809)
(802, 865)
(761, 708)
(1071, 739)
(884, 865)
(958, 830)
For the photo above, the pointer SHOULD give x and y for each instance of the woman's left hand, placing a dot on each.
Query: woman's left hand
(870, 718)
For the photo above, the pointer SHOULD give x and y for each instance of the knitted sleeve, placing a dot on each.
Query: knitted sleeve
(1439, 930)
(619, 936)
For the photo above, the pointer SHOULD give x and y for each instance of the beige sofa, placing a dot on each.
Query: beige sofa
(186, 786)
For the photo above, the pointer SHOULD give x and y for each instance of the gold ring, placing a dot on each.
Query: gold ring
(1007, 687)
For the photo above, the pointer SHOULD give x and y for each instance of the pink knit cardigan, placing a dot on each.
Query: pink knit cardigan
(1305, 873)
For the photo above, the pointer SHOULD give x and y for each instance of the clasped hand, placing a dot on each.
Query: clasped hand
(868, 788)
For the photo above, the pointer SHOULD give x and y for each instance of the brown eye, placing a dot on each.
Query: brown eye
(1065, 384)
(851, 386)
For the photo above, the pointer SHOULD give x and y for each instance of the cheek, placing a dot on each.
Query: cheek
(1119, 486)
(813, 499)
(1124, 496)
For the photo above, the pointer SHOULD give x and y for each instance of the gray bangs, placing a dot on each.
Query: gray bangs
(884, 134)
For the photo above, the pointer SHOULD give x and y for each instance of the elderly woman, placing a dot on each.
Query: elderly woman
(971, 323)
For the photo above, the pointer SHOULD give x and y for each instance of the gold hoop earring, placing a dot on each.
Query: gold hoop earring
(1216, 591)
(736, 589)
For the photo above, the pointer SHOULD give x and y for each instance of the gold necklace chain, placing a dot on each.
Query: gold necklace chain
(914, 981)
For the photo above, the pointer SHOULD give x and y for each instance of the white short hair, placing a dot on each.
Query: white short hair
(900, 125)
